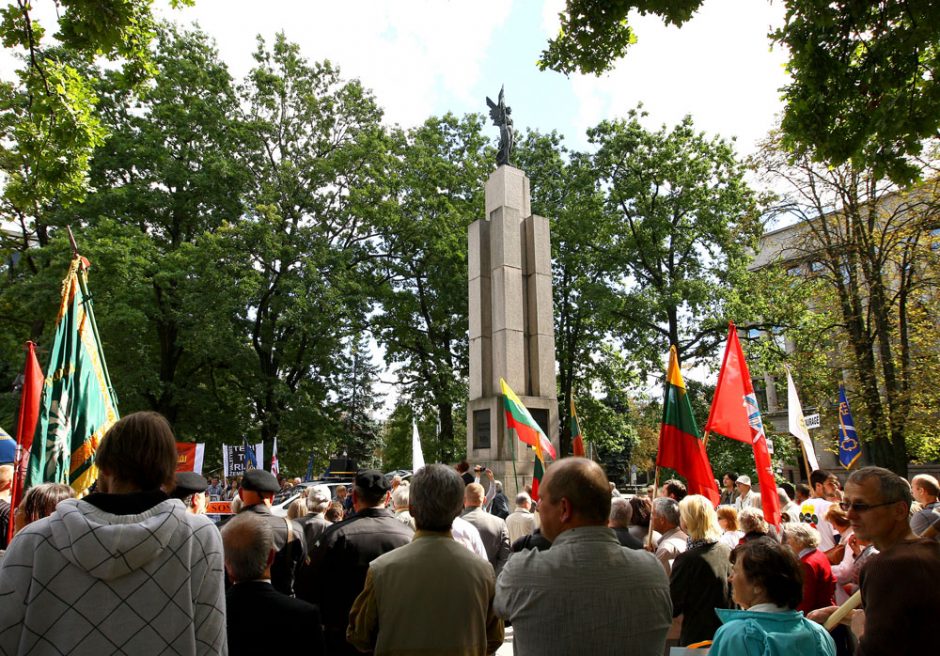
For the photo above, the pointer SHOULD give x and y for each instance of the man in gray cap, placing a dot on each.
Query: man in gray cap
(191, 490)
(340, 560)
(257, 493)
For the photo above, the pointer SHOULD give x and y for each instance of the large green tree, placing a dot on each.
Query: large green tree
(681, 223)
(433, 191)
(864, 73)
(564, 189)
(165, 178)
(308, 139)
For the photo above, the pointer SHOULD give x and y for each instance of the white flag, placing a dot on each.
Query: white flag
(417, 456)
(797, 425)
(275, 466)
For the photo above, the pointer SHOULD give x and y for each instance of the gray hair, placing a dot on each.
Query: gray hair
(436, 497)
(893, 488)
(803, 534)
(752, 519)
(783, 496)
(236, 504)
(523, 499)
(667, 508)
(318, 498)
(499, 485)
(401, 496)
(248, 541)
(621, 512)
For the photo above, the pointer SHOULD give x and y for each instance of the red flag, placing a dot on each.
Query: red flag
(735, 414)
(30, 395)
(679, 445)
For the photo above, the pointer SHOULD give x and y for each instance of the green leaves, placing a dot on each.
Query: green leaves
(864, 82)
(595, 34)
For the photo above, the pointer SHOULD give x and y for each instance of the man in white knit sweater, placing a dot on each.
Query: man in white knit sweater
(125, 570)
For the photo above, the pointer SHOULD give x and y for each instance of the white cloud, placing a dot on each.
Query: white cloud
(718, 67)
(414, 54)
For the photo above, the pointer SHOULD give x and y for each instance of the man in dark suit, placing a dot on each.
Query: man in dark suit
(492, 529)
(340, 560)
(620, 515)
(259, 619)
(257, 494)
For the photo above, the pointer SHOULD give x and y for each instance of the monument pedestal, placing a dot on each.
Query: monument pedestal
(511, 327)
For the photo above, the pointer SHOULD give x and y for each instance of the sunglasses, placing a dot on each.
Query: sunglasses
(862, 507)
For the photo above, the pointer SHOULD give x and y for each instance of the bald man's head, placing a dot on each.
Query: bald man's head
(584, 484)
(249, 547)
(473, 496)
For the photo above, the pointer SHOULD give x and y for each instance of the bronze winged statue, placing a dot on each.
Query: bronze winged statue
(502, 118)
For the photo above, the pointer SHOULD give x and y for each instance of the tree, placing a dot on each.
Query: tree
(563, 186)
(47, 119)
(865, 74)
(870, 244)
(308, 141)
(681, 224)
(358, 401)
(165, 178)
(433, 191)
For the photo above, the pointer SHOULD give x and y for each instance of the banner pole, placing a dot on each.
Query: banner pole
(649, 533)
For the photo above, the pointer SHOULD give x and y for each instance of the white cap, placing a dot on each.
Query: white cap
(744, 480)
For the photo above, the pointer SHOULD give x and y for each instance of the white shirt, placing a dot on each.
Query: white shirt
(467, 534)
(813, 512)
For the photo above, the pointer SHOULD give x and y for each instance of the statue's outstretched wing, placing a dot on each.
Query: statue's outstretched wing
(494, 109)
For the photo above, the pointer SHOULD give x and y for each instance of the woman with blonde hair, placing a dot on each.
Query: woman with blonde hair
(297, 509)
(699, 581)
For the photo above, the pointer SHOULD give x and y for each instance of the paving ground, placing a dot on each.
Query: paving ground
(506, 649)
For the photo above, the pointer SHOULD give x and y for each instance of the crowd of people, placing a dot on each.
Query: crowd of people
(440, 564)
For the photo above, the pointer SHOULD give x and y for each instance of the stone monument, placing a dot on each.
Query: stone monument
(512, 334)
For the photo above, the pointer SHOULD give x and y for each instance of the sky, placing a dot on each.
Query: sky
(423, 58)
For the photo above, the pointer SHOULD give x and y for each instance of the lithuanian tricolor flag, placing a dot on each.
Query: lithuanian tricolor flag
(577, 439)
(679, 445)
(519, 419)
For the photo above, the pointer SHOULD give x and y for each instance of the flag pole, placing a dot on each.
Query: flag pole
(649, 533)
(91, 317)
(515, 474)
(805, 459)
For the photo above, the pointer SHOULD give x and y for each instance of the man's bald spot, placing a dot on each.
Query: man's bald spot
(584, 484)
(474, 495)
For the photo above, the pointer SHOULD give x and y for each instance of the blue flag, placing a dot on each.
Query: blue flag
(309, 475)
(849, 448)
(251, 459)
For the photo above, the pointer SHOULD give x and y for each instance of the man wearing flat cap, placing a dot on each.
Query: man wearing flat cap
(340, 560)
(257, 494)
(191, 490)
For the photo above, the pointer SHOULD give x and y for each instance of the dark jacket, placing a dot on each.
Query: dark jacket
(699, 585)
(626, 538)
(291, 549)
(500, 506)
(313, 526)
(339, 563)
(261, 620)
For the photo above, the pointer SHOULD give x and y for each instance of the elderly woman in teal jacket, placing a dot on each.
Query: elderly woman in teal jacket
(767, 583)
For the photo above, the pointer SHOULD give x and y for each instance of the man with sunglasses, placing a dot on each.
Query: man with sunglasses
(899, 586)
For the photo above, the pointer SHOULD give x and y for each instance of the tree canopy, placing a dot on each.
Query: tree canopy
(864, 74)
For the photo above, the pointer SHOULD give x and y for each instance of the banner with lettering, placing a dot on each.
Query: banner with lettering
(234, 460)
(189, 456)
